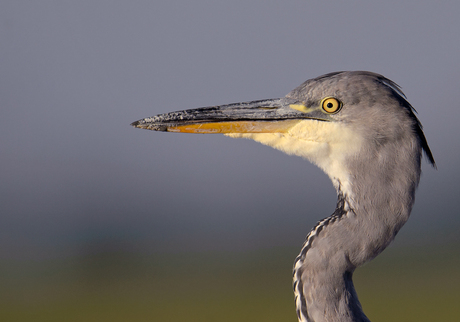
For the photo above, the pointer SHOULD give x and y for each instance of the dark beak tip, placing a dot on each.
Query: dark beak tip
(138, 124)
(142, 124)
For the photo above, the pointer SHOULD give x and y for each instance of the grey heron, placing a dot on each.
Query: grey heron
(361, 131)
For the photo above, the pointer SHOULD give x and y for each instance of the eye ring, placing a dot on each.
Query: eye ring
(331, 105)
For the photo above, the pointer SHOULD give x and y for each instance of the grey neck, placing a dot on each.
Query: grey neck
(323, 290)
(339, 244)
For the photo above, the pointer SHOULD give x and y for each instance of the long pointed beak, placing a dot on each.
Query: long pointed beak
(265, 116)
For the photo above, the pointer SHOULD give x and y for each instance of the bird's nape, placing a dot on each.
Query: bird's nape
(359, 128)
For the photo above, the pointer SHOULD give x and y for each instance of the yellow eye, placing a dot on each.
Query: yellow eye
(331, 105)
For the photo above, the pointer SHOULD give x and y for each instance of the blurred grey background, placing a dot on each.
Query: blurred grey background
(103, 222)
(76, 179)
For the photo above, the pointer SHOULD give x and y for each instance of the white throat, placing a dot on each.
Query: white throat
(326, 144)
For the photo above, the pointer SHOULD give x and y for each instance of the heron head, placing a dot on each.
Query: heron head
(337, 121)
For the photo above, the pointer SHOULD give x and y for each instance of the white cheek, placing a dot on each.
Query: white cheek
(336, 142)
(326, 144)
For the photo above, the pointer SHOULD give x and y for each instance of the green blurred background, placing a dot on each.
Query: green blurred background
(100, 221)
(415, 284)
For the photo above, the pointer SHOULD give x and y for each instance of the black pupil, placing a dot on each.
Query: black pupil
(330, 105)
